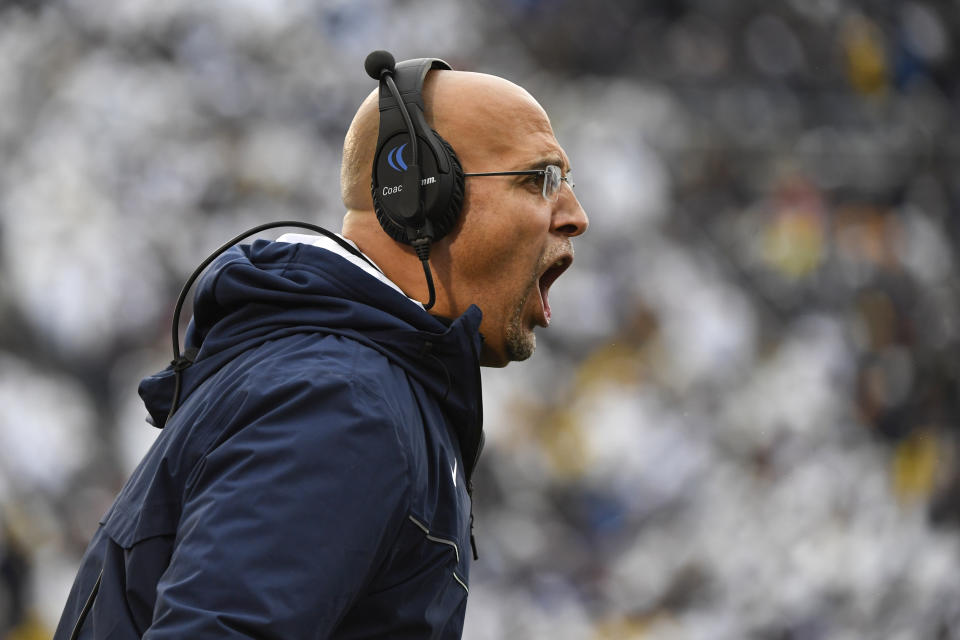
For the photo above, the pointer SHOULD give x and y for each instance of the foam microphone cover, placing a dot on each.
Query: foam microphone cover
(377, 62)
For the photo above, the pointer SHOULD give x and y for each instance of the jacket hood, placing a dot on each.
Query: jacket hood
(268, 290)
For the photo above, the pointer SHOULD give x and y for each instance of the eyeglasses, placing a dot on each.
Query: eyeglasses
(552, 178)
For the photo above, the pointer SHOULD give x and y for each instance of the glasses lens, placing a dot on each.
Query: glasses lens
(551, 182)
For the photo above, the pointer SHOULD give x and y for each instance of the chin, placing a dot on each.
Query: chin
(518, 344)
(493, 359)
(517, 347)
(499, 358)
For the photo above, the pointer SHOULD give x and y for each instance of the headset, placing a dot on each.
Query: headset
(418, 182)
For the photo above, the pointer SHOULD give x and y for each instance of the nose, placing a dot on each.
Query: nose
(569, 218)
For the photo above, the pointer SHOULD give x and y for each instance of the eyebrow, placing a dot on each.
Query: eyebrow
(541, 163)
(557, 159)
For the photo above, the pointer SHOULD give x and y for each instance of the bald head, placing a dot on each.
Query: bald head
(469, 110)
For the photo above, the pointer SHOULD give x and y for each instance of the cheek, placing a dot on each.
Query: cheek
(499, 265)
(505, 225)
(500, 237)
(483, 243)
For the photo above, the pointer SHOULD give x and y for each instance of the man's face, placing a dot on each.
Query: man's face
(511, 243)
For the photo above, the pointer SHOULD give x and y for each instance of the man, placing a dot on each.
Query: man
(314, 481)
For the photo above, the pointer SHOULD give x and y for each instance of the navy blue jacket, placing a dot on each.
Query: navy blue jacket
(313, 482)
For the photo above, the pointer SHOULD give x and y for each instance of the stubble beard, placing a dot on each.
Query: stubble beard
(520, 340)
(520, 344)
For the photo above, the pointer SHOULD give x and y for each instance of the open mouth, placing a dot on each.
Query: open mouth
(554, 271)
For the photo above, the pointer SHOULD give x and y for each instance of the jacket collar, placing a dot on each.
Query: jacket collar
(259, 292)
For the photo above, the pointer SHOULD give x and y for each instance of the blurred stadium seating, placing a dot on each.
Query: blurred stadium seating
(743, 422)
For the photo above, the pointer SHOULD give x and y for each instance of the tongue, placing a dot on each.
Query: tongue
(546, 304)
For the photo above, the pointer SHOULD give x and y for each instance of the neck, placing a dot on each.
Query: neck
(398, 261)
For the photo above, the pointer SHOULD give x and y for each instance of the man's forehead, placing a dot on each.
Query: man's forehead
(490, 120)
(521, 150)
(513, 152)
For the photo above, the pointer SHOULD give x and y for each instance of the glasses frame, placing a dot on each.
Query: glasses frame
(549, 169)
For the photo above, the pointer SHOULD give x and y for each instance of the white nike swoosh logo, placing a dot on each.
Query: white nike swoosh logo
(454, 473)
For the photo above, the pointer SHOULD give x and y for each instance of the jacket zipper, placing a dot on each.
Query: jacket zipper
(476, 458)
(86, 607)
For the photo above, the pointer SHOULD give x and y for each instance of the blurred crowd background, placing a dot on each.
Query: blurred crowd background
(743, 422)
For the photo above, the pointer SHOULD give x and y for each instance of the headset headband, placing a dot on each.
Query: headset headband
(409, 76)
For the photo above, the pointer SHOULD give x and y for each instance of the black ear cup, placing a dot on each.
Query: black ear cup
(442, 195)
(395, 230)
(444, 215)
